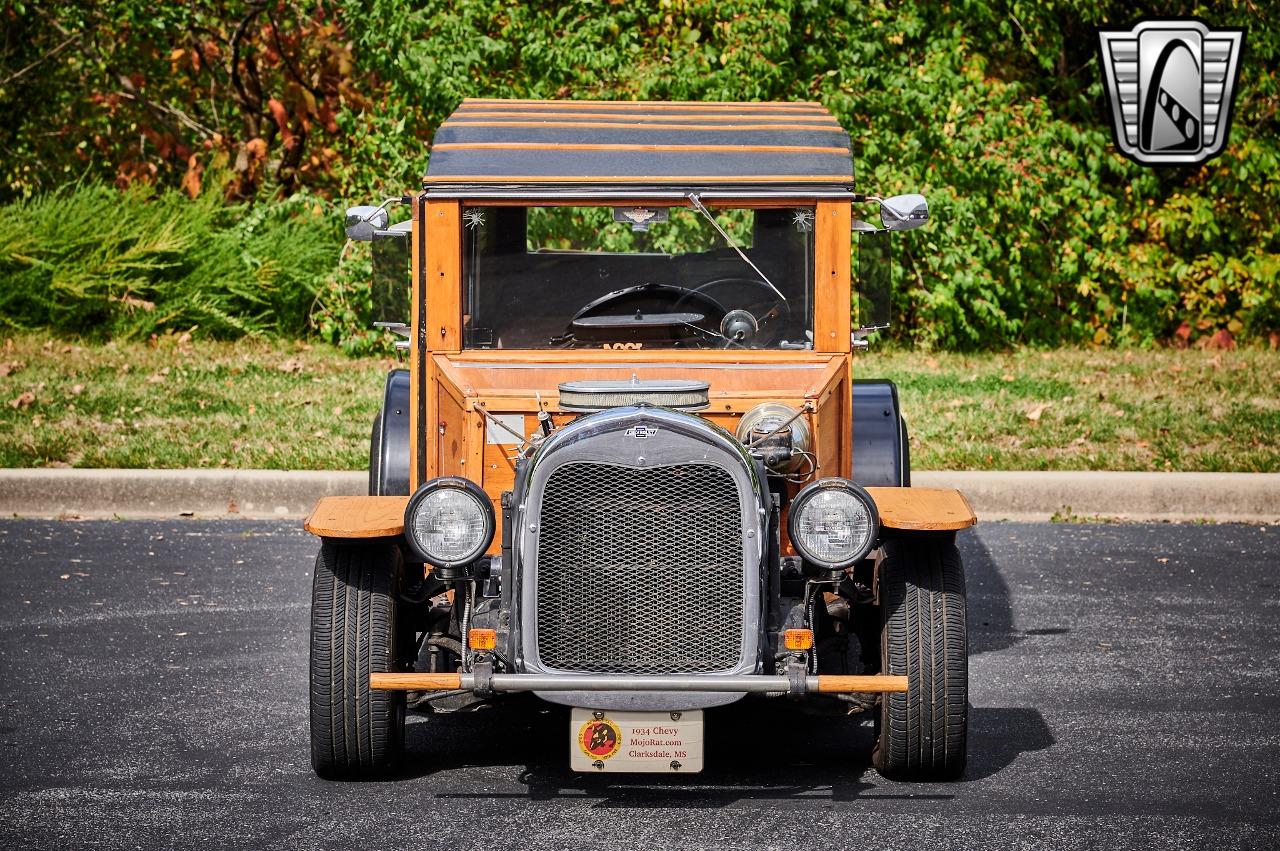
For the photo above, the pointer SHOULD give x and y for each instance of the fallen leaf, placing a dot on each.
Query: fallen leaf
(932, 363)
(10, 367)
(155, 378)
(77, 389)
(1034, 413)
(1006, 377)
(24, 400)
(65, 576)
(290, 365)
(184, 338)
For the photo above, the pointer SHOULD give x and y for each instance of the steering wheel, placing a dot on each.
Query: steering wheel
(777, 308)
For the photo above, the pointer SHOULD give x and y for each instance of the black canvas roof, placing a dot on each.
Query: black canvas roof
(567, 145)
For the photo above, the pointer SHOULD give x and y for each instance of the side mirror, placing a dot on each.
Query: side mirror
(361, 222)
(904, 212)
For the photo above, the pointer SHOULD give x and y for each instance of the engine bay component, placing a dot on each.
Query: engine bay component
(833, 523)
(591, 396)
(778, 435)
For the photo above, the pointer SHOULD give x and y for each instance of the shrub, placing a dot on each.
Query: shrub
(94, 261)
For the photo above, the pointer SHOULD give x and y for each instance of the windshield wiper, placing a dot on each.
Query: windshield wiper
(697, 205)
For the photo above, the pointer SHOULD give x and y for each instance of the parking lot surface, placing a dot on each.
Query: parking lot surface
(1124, 686)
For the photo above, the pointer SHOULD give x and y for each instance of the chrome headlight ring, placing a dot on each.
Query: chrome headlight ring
(833, 523)
(449, 522)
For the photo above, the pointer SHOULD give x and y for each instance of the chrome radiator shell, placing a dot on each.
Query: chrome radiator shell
(657, 519)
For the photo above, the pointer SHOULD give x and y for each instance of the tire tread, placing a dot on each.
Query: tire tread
(356, 732)
(923, 733)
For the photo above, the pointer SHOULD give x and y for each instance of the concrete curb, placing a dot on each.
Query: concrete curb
(1222, 497)
(170, 493)
(1172, 497)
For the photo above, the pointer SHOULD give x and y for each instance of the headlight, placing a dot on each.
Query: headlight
(449, 522)
(783, 452)
(833, 523)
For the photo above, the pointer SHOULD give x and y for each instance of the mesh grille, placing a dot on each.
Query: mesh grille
(640, 569)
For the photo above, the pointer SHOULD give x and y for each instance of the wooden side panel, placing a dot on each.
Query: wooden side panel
(357, 517)
(443, 276)
(831, 320)
(827, 425)
(498, 475)
(451, 434)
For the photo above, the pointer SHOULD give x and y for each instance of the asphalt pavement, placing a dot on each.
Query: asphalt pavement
(1124, 682)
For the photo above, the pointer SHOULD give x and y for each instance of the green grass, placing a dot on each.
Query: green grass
(1074, 409)
(248, 404)
(173, 402)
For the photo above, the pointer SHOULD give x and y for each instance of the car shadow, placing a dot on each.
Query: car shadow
(990, 611)
(755, 750)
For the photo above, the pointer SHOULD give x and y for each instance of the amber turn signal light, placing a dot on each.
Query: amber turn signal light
(482, 639)
(798, 639)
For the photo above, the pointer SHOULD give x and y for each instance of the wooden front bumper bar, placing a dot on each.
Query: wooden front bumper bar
(818, 683)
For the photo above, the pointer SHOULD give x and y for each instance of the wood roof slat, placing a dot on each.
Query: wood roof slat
(820, 128)
(631, 104)
(625, 178)
(653, 148)
(669, 116)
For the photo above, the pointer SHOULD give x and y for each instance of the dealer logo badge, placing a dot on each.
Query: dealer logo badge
(1170, 86)
(599, 738)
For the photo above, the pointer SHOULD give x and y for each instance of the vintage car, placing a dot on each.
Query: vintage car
(628, 468)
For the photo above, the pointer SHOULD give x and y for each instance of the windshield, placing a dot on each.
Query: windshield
(638, 277)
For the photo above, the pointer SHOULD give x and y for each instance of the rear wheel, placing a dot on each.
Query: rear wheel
(356, 732)
(922, 734)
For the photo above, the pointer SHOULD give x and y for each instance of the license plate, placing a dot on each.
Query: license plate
(648, 742)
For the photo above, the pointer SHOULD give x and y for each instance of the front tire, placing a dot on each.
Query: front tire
(356, 732)
(922, 734)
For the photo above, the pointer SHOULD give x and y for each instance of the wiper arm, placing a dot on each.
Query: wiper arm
(697, 205)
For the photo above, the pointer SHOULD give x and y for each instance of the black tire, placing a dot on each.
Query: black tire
(356, 732)
(922, 734)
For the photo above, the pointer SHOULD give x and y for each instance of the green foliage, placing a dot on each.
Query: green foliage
(1042, 234)
(92, 260)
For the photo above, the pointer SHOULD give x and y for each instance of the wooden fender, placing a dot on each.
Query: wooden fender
(923, 509)
(357, 517)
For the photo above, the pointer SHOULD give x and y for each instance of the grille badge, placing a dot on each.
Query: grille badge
(641, 432)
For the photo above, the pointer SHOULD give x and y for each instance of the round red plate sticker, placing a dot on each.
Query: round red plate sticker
(599, 738)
